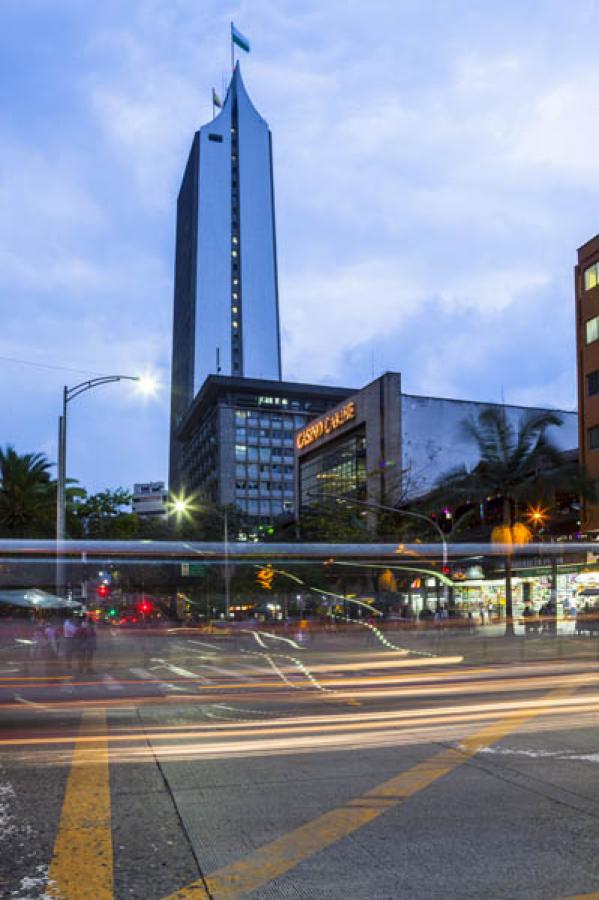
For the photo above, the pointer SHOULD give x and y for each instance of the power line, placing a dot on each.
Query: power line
(37, 365)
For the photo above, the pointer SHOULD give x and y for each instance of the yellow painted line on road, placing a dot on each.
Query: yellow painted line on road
(285, 853)
(81, 865)
(593, 896)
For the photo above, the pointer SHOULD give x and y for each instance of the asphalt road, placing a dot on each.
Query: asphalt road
(193, 765)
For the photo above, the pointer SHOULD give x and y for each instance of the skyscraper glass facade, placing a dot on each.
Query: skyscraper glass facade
(226, 314)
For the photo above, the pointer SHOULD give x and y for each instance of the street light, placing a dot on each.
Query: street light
(369, 504)
(147, 385)
(183, 506)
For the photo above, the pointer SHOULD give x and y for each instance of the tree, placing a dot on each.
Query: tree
(104, 515)
(517, 463)
(27, 495)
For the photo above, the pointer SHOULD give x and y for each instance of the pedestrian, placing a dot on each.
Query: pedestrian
(86, 645)
(51, 640)
(69, 633)
(481, 612)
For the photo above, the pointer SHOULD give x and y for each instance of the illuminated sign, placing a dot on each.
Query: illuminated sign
(325, 425)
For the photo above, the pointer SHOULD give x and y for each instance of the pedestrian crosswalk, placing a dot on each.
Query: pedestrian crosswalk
(187, 668)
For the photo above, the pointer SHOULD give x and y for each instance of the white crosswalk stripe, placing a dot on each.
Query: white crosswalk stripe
(143, 673)
(230, 673)
(112, 683)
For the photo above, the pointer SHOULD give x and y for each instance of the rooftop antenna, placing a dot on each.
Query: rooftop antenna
(218, 369)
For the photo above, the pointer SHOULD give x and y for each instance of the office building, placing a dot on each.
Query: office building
(236, 441)
(586, 282)
(384, 446)
(226, 312)
(150, 499)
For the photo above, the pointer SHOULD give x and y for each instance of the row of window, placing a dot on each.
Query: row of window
(235, 253)
(271, 508)
(265, 471)
(265, 495)
(262, 454)
(265, 487)
(252, 420)
(262, 438)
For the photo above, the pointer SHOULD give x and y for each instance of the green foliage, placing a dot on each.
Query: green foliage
(335, 524)
(27, 495)
(104, 515)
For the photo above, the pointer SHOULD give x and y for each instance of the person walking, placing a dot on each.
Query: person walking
(69, 633)
(87, 645)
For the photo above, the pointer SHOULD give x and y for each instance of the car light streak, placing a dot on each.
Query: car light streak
(235, 742)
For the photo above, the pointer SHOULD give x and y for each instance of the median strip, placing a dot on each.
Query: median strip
(82, 865)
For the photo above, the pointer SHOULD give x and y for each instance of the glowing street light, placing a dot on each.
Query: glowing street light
(537, 516)
(148, 384)
(181, 506)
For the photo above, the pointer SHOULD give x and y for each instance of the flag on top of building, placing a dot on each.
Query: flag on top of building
(238, 38)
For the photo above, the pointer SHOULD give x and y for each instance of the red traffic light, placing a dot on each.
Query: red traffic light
(144, 607)
(102, 590)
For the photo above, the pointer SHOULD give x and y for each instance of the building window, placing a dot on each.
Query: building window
(591, 277)
(217, 138)
(592, 327)
(593, 383)
(594, 438)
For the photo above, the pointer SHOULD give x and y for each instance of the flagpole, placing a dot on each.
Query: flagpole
(232, 50)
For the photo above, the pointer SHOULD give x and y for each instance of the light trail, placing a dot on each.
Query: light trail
(422, 726)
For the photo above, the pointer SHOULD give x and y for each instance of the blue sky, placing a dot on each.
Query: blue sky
(436, 168)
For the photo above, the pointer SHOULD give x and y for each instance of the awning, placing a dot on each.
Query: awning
(33, 598)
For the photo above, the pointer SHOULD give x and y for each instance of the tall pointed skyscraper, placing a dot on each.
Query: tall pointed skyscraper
(226, 310)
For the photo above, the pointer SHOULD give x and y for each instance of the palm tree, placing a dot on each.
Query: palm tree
(27, 494)
(517, 463)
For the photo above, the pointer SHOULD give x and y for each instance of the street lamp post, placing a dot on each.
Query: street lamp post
(69, 394)
(414, 515)
(181, 506)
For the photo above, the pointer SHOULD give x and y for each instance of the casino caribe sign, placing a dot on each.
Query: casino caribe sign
(325, 425)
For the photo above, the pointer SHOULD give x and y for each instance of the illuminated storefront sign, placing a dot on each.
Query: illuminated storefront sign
(325, 425)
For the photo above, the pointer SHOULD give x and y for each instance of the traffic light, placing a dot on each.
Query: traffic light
(144, 607)
(102, 591)
(265, 576)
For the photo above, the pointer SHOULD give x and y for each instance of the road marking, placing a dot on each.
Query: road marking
(285, 853)
(204, 644)
(143, 673)
(177, 670)
(81, 865)
(230, 673)
(593, 896)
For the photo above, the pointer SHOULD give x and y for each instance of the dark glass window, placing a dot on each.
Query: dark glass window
(594, 438)
(593, 383)
(217, 138)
